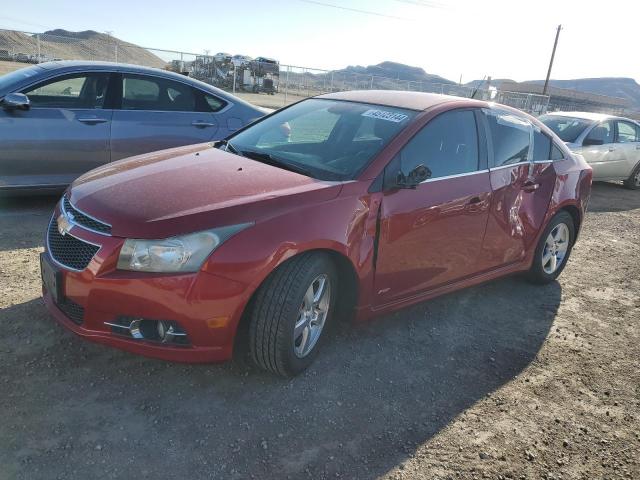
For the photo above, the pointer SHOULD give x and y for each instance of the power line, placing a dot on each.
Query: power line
(356, 10)
(422, 4)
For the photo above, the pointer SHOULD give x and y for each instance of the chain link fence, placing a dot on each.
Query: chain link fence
(261, 81)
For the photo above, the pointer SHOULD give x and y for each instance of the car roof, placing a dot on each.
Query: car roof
(400, 99)
(594, 117)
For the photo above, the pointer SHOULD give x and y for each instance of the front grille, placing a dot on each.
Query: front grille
(72, 310)
(68, 250)
(84, 220)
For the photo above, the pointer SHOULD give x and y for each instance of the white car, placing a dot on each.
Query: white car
(610, 144)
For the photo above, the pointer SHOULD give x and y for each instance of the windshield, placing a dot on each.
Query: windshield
(324, 139)
(6, 81)
(567, 128)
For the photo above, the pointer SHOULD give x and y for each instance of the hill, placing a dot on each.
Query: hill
(87, 45)
(393, 70)
(626, 88)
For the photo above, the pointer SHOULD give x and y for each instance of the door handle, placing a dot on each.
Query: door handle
(530, 186)
(612, 149)
(92, 120)
(201, 124)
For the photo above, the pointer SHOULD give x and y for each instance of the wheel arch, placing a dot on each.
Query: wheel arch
(347, 297)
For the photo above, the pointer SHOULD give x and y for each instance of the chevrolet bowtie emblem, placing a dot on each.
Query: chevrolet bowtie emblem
(64, 223)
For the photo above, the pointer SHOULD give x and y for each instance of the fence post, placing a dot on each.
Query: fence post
(371, 84)
(116, 51)
(286, 84)
(234, 78)
(38, 43)
(331, 86)
(182, 63)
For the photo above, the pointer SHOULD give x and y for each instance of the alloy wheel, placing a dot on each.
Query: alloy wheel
(312, 316)
(555, 248)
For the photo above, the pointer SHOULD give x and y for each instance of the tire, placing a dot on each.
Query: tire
(633, 182)
(542, 269)
(283, 303)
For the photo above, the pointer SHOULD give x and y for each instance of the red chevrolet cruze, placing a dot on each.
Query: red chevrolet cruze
(354, 203)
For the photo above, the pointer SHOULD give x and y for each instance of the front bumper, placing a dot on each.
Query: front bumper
(206, 306)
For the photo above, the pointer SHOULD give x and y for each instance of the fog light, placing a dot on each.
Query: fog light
(165, 331)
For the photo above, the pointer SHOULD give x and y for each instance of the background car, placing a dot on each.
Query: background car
(610, 144)
(264, 65)
(61, 119)
(372, 201)
(241, 60)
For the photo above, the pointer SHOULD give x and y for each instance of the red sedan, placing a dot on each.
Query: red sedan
(347, 204)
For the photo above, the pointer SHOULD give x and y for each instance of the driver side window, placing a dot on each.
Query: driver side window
(86, 91)
(447, 145)
(603, 132)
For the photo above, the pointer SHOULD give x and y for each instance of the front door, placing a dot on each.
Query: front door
(431, 236)
(158, 113)
(64, 134)
(602, 153)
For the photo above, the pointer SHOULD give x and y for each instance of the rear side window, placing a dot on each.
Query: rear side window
(447, 145)
(556, 153)
(627, 132)
(85, 91)
(510, 137)
(212, 104)
(541, 146)
(153, 93)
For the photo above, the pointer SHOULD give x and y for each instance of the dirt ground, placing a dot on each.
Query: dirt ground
(502, 381)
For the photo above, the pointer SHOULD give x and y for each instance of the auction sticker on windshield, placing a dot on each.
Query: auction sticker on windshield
(385, 115)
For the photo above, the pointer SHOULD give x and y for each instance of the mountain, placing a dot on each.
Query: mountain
(620, 87)
(393, 70)
(626, 88)
(87, 45)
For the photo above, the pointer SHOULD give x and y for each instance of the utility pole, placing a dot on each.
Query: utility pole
(553, 54)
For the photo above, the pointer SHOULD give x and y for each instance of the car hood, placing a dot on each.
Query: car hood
(189, 189)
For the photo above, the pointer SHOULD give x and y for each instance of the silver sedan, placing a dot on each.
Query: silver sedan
(610, 144)
(61, 119)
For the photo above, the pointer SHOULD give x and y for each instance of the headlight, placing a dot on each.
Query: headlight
(185, 253)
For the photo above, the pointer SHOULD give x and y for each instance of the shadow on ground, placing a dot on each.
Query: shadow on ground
(23, 221)
(375, 393)
(613, 197)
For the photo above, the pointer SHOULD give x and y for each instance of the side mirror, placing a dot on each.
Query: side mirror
(592, 141)
(415, 177)
(16, 101)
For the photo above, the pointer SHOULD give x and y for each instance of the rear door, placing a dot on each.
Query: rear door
(628, 141)
(431, 236)
(157, 113)
(602, 153)
(64, 134)
(522, 180)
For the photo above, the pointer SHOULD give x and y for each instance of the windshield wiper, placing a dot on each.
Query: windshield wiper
(228, 146)
(275, 162)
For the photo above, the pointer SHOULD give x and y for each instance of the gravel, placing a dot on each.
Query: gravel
(502, 381)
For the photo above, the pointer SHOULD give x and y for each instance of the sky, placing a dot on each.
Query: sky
(450, 38)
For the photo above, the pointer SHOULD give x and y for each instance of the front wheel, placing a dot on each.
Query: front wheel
(553, 249)
(290, 313)
(633, 182)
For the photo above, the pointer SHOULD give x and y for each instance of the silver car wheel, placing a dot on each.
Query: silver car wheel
(555, 248)
(636, 178)
(312, 317)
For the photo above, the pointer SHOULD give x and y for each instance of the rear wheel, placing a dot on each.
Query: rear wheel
(553, 249)
(633, 182)
(290, 313)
